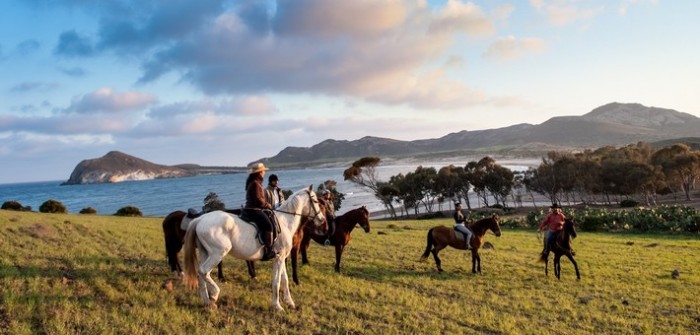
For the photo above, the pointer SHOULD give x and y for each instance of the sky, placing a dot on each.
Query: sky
(224, 83)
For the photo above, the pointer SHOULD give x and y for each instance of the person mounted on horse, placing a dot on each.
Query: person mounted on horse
(460, 225)
(255, 205)
(330, 215)
(555, 221)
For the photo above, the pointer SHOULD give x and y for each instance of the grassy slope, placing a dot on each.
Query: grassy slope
(64, 274)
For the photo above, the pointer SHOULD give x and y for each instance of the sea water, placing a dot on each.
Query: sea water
(159, 197)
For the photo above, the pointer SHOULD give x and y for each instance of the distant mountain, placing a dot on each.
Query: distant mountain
(612, 124)
(116, 166)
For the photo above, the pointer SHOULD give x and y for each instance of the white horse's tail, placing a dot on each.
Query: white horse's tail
(190, 258)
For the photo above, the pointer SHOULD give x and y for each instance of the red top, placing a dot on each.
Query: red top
(554, 220)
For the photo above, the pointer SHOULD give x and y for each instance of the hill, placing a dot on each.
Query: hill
(116, 166)
(612, 124)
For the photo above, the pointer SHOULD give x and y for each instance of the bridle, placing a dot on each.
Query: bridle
(313, 208)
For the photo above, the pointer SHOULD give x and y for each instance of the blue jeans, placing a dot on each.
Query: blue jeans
(551, 237)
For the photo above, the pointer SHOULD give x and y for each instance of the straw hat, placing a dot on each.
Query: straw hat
(258, 167)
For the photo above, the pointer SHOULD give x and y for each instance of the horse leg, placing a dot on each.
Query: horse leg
(284, 282)
(304, 245)
(435, 252)
(557, 266)
(277, 266)
(571, 258)
(338, 253)
(220, 272)
(295, 256)
(210, 259)
(251, 268)
(476, 262)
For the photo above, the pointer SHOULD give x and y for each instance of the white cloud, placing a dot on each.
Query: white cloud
(564, 12)
(106, 100)
(510, 48)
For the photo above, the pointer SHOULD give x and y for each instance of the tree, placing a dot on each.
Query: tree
(337, 197)
(364, 173)
(680, 165)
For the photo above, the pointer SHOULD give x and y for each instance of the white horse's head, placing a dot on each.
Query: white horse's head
(304, 203)
(315, 211)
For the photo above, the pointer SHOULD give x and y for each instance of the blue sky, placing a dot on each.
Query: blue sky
(218, 82)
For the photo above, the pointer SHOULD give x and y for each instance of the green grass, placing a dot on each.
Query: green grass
(87, 274)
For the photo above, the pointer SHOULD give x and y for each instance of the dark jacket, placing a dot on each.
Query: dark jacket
(254, 193)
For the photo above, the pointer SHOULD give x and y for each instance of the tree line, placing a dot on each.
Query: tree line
(608, 175)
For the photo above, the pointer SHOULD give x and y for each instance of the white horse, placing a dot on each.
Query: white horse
(217, 233)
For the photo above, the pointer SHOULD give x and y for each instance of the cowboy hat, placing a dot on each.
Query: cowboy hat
(258, 167)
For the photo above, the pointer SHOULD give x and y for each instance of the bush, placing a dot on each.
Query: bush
(627, 203)
(88, 210)
(128, 211)
(52, 206)
(14, 206)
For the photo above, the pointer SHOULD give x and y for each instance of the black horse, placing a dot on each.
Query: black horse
(561, 246)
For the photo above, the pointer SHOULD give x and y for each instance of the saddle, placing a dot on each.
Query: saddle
(460, 235)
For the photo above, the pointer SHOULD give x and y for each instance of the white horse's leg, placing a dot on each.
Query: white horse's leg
(201, 275)
(213, 259)
(286, 295)
(277, 267)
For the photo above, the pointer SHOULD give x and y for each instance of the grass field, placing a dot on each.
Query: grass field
(86, 274)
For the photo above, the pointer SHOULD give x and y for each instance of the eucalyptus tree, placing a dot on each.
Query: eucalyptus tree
(364, 173)
(680, 164)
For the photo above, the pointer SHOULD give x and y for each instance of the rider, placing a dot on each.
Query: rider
(273, 194)
(330, 215)
(555, 221)
(254, 205)
(460, 225)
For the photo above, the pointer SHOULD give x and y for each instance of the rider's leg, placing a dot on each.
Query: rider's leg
(331, 230)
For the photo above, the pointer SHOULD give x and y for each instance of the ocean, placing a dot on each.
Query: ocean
(159, 197)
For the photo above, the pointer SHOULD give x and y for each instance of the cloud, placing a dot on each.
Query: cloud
(73, 71)
(462, 17)
(626, 4)
(27, 47)
(563, 12)
(318, 47)
(33, 86)
(509, 48)
(105, 100)
(70, 44)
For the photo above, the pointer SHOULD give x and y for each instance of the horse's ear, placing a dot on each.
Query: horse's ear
(311, 187)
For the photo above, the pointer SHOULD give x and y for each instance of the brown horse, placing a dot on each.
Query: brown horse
(344, 224)
(440, 237)
(561, 246)
(174, 240)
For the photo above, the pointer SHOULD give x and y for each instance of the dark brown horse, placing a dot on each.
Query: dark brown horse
(440, 237)
(561, 246)
(174, 237)
(344, 224)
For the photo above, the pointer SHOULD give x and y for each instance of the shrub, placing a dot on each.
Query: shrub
(52, 206)
(88, 210)
(628, 203)
(13, 206)
(128, 211)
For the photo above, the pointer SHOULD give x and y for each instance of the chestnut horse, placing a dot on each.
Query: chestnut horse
(561, 246)
(440, 237)
(344, 224)
(174, 240)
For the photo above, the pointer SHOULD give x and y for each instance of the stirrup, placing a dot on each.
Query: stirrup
(327, 242)
(268, 255)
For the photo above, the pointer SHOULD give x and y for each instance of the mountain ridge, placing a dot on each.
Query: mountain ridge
(611, 124)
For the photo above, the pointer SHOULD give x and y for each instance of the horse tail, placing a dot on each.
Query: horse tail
(190, 259)
(431, 241)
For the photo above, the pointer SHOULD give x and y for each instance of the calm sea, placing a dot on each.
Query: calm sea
(162, 196)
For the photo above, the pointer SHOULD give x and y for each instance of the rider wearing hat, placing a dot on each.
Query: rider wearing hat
(255, 203)
(555, 221)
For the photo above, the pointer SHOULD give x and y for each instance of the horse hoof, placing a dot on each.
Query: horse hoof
(440, 270)
(212, 306)
(278, 308)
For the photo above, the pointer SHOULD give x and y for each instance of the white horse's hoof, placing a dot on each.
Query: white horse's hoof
(278, 308)
(212, 305)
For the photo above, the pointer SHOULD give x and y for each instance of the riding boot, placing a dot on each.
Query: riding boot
(468, 241)
(268, 252)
